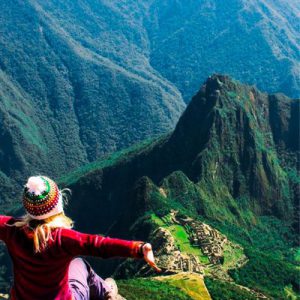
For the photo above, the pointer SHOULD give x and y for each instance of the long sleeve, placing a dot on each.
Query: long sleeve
(76, 243)
(4, 228)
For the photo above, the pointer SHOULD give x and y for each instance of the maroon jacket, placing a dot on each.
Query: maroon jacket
(45, 275)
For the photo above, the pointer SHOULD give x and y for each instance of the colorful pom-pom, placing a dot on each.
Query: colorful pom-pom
(36, 185)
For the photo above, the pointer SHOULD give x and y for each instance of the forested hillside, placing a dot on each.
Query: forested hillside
(79, 79)
(217, 196)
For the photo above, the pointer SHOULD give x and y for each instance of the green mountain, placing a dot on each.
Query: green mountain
(218, 196)
(80, 79)
(254, 41)
(63, 103)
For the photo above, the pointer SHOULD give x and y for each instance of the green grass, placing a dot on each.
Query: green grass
(191, 283)
(297, 255)
(290, 293)
(157, 220)
(181, 237)
(232, 94)
(138, 289)
(182, 240)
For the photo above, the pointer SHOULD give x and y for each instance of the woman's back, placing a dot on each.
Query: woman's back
(41, 275)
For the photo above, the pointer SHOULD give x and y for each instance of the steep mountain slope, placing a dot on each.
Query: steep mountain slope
(223, 140)
(256, 41)
(62, 103)
(89, 71)
(226, 166)
(185, 41)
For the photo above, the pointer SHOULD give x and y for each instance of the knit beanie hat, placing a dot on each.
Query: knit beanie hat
(42, 198)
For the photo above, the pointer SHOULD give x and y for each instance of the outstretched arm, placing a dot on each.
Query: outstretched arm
(76, 243)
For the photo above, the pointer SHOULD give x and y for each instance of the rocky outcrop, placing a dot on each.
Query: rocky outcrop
(221, 153)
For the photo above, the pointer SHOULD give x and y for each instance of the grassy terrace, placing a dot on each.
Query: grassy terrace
(192, 284)
(137, 289)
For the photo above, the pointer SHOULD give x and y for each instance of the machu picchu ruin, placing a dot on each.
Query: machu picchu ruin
(183, 244)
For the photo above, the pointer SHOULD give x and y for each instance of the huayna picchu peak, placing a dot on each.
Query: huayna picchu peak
(224, 139)
(225, 170)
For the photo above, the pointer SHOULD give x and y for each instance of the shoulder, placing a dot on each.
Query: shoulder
(65, 234)
(7, 220)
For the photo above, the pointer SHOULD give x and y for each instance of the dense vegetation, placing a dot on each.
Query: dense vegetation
(81, 79)
(269, 273)
(224, 164)
(85, 78)
(249, 40)
(220, 290)
(63, 103)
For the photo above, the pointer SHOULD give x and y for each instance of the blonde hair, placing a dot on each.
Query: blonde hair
(42, 228)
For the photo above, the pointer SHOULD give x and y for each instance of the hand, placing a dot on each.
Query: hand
(149, 257)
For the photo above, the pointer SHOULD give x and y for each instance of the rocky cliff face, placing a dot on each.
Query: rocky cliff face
(238, 146)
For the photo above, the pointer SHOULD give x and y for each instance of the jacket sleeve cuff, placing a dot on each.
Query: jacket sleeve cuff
(137, 250)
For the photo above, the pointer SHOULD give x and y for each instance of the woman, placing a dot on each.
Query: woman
(43, 246)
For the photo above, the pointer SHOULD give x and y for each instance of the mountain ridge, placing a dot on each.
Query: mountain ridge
(90, 71)
(250, 30)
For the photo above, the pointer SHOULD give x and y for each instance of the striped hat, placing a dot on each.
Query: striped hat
(42, 198)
